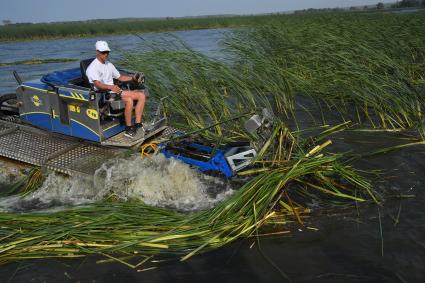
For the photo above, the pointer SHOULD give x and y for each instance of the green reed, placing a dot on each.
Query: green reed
(368, 68)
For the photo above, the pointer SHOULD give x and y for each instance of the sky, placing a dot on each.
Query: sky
(36, 11)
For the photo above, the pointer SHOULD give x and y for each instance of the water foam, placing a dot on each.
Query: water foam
(156, 181)
(160, 182)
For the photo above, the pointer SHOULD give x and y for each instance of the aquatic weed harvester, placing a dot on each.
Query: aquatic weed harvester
(61, 123)
(129, 231)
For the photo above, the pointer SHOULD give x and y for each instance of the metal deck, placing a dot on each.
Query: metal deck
(58, 153)
(65, 154)
(121, 140)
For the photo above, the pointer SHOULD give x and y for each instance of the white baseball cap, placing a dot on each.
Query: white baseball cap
(102, 46)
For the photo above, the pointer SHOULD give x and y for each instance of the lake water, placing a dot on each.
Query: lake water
(352, 245)
(205, 41)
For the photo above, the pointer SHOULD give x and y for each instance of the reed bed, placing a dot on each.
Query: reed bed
(368, 68)
(201, 91)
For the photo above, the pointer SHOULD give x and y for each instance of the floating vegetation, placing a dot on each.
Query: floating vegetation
(124, 230)
(25, 185)
(12, 172)
(38, 61)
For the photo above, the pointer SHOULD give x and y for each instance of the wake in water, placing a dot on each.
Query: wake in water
(156, 181)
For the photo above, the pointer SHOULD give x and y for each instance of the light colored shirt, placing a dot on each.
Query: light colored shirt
(104, 73)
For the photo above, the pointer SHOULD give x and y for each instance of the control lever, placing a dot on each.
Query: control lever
(17, 77)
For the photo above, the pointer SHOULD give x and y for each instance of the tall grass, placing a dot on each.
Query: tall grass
(367, 67)
(201, 91)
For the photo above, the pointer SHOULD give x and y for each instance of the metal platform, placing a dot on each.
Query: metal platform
(169, 133)
(82, 159)
(152, 129)
(121, 140)
(58, 153)
(64, 154)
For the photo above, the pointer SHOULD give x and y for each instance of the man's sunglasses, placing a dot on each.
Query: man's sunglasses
(104, 52)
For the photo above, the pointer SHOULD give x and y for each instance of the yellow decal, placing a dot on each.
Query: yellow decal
(77, 95)
(73, 95)
(36, 100)
(54, 114)
(92, 114)
(75, 108)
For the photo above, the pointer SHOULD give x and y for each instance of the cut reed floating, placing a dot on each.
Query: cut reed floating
(124, 231)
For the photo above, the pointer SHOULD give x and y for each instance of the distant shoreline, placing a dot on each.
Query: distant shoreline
(94, 28)
(44, 31)
(46, 37)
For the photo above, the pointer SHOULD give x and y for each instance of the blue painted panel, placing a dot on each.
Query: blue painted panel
(36, 85)
(113, 131)
(61, 77)
(80, 131)
(42, 120)
(60, 128)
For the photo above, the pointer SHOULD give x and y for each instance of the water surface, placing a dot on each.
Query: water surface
(205, 41)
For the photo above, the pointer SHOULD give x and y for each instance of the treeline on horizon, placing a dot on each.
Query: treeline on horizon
(28, 31)
(379, 6)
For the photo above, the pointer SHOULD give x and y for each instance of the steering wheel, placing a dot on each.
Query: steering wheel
(139, 83)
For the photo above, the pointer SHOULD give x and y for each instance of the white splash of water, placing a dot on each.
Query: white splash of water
(66, 190)
(156, 180)
(159, 182)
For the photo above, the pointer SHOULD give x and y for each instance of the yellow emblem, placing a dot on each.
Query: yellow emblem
(36, 100)
(92, 114)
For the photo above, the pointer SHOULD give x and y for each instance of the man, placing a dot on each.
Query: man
(101, 73)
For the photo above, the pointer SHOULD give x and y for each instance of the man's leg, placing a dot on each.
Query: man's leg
(140, 97)
(129, 97)
(128, 110)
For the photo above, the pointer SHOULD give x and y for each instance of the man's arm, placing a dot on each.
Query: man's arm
(102, 86)
(121, 77)
(125, 78)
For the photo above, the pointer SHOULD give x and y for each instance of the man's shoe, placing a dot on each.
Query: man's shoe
(130, 132)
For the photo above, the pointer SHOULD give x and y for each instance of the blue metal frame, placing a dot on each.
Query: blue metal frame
(216, 163)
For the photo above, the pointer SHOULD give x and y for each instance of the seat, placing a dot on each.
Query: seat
(84, 64)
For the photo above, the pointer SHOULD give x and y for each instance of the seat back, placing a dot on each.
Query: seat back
(84, 64)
